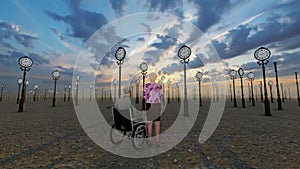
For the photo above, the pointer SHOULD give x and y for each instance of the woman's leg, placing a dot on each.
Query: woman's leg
(157, 130)
(149, 130)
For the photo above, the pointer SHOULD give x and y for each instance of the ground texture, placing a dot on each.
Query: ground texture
(51, 137)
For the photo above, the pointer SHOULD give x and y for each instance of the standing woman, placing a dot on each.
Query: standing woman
(153, 94)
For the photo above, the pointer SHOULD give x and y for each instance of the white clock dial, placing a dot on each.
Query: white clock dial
(262, 53)
(120, 53)
(144, 66)
(251, 75)
(25, 61)
(55, 74)
(241, 72)
(20, 81)
(184, 52)
(199, 75)
(270, 83)
(232, 73)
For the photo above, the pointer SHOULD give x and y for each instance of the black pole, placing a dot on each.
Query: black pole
(256, 93)
(54, 94)
(23, 95)
(230, 92)
(91, 94)
(76, 96)
(18, 97)
(234, 98)
(252, 94)
(298, 95)
(34, 95)
(282, 93)
(261, 92)
(249, 92)
(38, 94)
(266, 101)
(200, 99)
(243, 99)
(271, 93)
(102, 94)
(69, 96)
(120, 69)
(137, 93)
(217, 92)
(277, 86)
(168, 93)
(65, 94)
(2, 85)
(143, 100)
(290, 98)
(115, 90)
(186, 109)
(173, 93)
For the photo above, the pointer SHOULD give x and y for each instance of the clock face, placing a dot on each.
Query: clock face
(144, 66)
(25, 61)
(20, 81)
(199, 75)
(115, 81)
(120, 53)
(270, 83)
(184, 52)
(251, 75)
(232, 73)
(55, 74)
(77, 77)
(241, 72)
(262, 53)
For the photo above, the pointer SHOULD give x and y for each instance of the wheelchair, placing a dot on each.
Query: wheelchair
(129, 123)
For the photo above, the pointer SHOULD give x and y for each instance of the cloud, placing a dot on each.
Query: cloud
(118, 6)
(172, 68)
(83, 23)
(276, 30)
(141, 39)
(38, 59)
(195, 63)
(65, 71)
(152, 56)
(166, 42)
(10, 32)
(165, 6)
(209, 12)
(289, 44)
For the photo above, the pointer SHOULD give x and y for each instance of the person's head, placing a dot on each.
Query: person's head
(152, 77)
(126, 90)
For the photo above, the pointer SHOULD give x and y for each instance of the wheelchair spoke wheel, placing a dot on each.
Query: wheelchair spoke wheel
(116, 136)
(139, 136)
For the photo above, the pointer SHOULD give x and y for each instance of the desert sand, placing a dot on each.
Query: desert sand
(51, 137)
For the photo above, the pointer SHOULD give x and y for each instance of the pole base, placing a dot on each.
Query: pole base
(267, 108)
(185, 108)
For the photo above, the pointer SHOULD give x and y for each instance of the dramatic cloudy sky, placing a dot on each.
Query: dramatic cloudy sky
(53, 33)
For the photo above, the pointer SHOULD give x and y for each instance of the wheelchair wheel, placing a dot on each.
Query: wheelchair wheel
(116, 136)
(139, 136)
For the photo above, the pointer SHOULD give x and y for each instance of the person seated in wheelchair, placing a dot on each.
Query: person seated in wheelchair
(125, 115)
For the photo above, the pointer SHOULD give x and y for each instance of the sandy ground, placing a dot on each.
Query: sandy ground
(51, 137)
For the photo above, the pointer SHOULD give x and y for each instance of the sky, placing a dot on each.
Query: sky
(56, 35)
